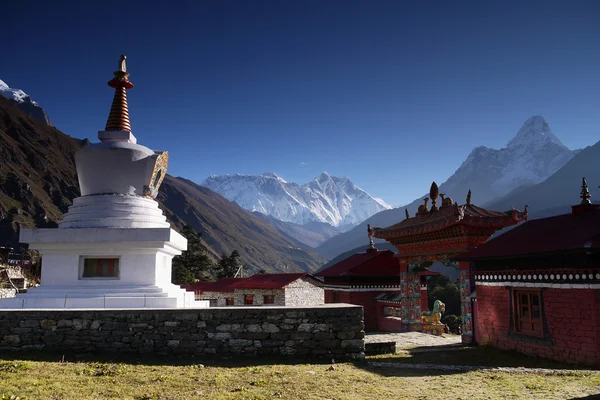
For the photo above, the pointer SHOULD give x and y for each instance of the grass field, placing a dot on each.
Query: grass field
(33, 377)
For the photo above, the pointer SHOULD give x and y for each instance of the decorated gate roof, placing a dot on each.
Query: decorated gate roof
(450, 226)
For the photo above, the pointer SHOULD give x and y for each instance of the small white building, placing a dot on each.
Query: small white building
(114, 247)
(286, 289)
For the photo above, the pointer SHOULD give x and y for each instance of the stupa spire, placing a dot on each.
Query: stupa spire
(118, 118)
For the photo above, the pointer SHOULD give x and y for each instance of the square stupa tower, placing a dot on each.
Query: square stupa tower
(114, 247)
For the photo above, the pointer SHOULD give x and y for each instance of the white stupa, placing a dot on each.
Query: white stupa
(114, 247)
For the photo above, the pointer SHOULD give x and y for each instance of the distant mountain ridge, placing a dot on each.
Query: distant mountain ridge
(25, 103)
(329, 199)
(529, 158)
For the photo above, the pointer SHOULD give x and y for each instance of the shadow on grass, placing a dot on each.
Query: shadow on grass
(476, 356)
(233, 361)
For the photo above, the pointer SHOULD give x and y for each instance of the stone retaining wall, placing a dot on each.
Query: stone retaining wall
(332, 331)
(7, 292)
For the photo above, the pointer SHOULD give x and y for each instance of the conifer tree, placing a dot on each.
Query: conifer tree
(228, 265)
(194, 264)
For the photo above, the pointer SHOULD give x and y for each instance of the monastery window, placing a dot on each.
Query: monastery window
(268, 299)
(248, 299)
(229, 301)
(100, 268)
(527, 311)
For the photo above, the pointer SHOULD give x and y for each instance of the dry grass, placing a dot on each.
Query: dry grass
(247, 378)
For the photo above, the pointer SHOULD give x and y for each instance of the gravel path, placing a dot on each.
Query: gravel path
(413, 339)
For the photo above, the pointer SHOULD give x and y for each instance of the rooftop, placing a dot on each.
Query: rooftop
(258, 281)
(578, 231)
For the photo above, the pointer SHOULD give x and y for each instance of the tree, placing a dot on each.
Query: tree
(228, 265)
(194, 264)
(440, 288)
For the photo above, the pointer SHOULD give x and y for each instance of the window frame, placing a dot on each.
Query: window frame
(271, 297)
(523, 305)
(117, 267)
(229, 301)
(246, 296)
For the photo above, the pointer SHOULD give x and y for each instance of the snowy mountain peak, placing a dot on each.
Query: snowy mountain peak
(329, 199)
(24, 102)
(14, 94)
(534, 130)
(530, 157)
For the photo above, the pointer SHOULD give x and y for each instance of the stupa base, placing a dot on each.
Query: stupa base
(70, 297)
(105, 268)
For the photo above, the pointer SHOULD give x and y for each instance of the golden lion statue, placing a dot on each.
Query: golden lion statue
(434, 317)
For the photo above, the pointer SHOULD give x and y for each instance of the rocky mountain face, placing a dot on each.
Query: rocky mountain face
(38, 182)
(24, 102)
(327, 199)
(37, 172)
(532, 156)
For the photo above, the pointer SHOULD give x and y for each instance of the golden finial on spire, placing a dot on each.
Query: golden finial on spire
(118, 118)
(122, 64)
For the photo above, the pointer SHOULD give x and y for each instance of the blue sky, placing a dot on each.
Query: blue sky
(392, 94)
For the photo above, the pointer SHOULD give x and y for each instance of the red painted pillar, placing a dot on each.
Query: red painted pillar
(404, 301)
(465, 300)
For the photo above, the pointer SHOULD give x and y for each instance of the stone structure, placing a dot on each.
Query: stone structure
(436, 235)
(7, 292)
(332, 331)
(291, 289)
(538, 287)
(114, 247)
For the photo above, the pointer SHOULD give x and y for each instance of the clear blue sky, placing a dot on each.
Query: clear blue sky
(391, 94)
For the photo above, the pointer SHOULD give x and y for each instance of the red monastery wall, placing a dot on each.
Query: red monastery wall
(365, 299)
(572, 317)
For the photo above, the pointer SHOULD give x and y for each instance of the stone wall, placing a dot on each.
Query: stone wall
(332, 331)
(7, 292)
(304, 293)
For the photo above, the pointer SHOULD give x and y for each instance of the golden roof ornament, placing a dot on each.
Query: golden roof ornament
(469, 197)
(423, 207)
(433, 195)
(585, 193)
(118, 117)
(406, 213)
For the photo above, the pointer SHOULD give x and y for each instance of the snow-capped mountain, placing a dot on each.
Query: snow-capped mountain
(329, 199)
(24, 102)
(529, 158)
